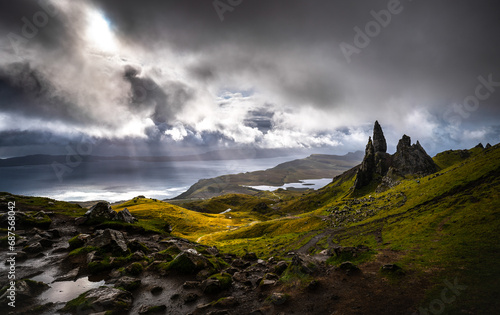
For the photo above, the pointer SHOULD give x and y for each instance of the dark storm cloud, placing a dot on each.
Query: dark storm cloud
(175, 58)
(439, 47)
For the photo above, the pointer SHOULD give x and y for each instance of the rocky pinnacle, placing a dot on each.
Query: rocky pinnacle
(379, 143)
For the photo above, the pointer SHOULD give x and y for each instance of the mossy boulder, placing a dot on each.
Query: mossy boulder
(135, 269)
(188, 262)
(155, 309)
(100, 300)
(128, 283)
(78, 241)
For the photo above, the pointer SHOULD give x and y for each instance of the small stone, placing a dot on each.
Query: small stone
(267, 283)
(189, 285)
(33, 248)
(190, 298)
(250, 256)
(278, 298)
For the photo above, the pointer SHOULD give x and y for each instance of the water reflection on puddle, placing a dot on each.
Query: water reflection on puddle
(63, 291)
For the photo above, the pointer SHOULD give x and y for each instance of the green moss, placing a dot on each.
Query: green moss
(96, 267)
(182, 264)
(36, 219)
(78, 304)
(138, 246)
(135, 269)
(76, 242)
(225, 280)
(83, 250)
(131, 286)
(157, 309)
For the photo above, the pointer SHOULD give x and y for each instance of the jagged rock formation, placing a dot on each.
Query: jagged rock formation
(367, 169)
(412, 159)
(379, 143)
(488, 146)
(378, 164)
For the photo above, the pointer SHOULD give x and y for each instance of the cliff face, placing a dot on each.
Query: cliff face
(379, 165)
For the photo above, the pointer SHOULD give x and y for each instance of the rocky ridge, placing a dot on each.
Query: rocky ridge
(384, 168)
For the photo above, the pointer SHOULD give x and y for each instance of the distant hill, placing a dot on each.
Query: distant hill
(315, 166)
(230, 154)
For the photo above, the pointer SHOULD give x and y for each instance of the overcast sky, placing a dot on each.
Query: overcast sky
(171, 74)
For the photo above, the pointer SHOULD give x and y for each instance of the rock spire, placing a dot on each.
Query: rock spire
(378, 164)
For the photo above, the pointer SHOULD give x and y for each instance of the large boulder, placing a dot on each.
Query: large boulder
(109, 238)
(125, 216)
(25, 289)
(99, 300)
(189, 262)
(101, 211)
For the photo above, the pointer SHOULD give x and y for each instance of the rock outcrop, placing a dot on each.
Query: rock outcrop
(412, 159)
(125, 216)
(102, 211)
(367, 169)
(379, 165)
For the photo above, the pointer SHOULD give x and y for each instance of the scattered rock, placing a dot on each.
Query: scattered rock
(210, 286)
(313, 285)
(109, 238)
(190, 298)
(101, 299)
(26, 289)
(189, 285)
(125, 216)
(229, 301)
(240, 263)
(250, 256)
(240, 277)
(348, 267)
(101, 211)
(278, 298)
(128, 283)
(267, 283)
(33, 248)
(280, 267)
(188, 262)
(155, 309)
